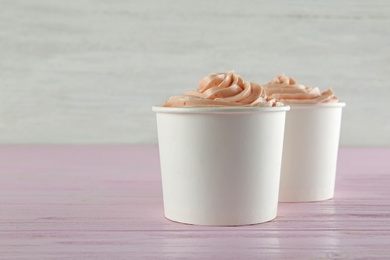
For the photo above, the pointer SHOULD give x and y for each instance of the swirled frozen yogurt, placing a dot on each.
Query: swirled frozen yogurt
(287, 90)
(223, 89)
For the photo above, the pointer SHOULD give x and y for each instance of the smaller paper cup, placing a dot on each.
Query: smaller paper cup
(221, 165)
(311, 143)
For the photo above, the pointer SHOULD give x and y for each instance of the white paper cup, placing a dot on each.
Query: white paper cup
(311, 143)
(220, 166)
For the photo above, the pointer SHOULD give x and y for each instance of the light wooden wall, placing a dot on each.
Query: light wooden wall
(89, 71)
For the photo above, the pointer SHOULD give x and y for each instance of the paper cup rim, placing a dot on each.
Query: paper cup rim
(320, 105)
(223, 110)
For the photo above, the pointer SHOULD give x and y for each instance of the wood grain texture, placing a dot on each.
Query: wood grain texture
(89, 71)
(105, 202)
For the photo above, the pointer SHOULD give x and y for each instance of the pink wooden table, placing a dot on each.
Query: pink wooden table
(105, 202)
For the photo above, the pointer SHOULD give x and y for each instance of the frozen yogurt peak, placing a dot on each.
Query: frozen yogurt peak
(288, 91)
(224, 89)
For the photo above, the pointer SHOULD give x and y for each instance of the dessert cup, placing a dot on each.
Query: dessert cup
(311, 143)
(220, 165)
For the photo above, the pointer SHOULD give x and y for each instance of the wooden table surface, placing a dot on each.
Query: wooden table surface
(105, 202)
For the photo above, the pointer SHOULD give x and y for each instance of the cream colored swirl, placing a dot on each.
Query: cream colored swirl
(287, 90)
(223, 89)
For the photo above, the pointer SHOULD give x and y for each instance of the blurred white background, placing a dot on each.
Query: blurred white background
(84, 71)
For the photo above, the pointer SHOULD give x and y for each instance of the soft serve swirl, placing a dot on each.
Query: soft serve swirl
(287, 90)
(224, 89)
